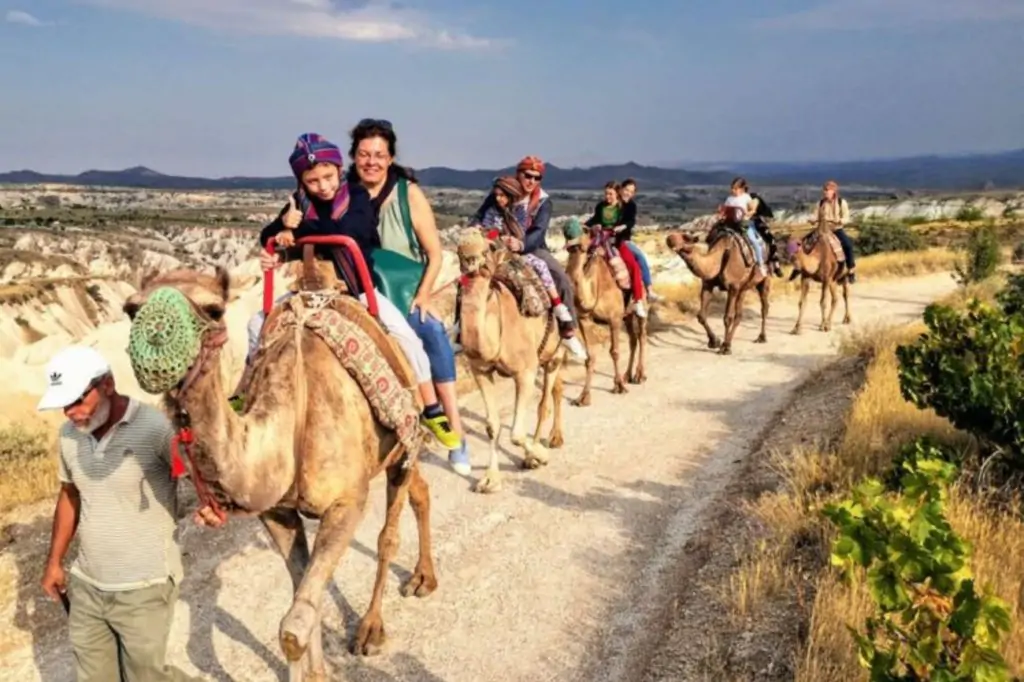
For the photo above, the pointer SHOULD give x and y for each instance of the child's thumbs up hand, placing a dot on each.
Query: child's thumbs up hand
(293, 216)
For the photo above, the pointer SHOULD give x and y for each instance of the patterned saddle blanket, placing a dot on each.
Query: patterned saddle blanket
(364, 349)
(811, 240)
(525, 285)
(721, 231)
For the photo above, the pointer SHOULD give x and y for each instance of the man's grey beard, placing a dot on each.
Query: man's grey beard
(98, 418)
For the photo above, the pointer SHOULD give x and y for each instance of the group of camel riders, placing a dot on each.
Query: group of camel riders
(378, 204)
(748, 213)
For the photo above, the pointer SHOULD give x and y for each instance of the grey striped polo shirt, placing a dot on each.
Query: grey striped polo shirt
(126, 527)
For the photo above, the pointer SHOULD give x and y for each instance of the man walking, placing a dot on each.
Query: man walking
(118, 494)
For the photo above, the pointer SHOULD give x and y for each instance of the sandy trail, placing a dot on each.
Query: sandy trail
(552, 578)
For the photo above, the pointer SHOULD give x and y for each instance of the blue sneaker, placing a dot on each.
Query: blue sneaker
(459, 459)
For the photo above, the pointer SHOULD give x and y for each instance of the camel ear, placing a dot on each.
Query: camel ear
(131, 305)
(224, 282)
(147, 278)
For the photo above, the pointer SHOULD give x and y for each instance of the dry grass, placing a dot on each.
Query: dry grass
(796, 539)
(28, 460)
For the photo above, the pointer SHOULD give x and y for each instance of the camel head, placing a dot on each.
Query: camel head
(577, 237)
(681, 242)
(478, 257)
(176, 318)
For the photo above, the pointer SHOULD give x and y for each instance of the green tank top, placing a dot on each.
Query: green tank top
(395, 226)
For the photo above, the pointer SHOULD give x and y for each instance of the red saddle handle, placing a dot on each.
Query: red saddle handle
(344, 242)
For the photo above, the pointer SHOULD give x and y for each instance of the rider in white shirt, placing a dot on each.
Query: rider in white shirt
(739, 197)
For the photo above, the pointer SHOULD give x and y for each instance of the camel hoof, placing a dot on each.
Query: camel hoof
(714, 343)
(556, 441)
(370, 638)
(490, 483)
(796, 331)
(421, 584)
(619, 388)
(583, 400)
(726, 350)
(536, 456)
(847, 320)
(761, 339)
(824, 328)
(637, 379)
(297, 626)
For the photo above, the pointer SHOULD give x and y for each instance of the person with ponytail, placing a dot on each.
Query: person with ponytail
(323, 204)
(409, 258)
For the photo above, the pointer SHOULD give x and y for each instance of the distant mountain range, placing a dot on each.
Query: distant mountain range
(968, 172)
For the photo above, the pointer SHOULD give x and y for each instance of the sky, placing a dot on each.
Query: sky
(222, 87)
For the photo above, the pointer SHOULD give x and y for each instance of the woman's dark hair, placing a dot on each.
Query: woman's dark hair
(628, 181)
(741, 183)
(611, 184)
(368, 129)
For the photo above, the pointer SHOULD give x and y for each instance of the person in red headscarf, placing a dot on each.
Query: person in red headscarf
(538, 209)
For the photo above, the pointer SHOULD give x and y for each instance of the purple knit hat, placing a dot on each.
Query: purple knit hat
(311, 149)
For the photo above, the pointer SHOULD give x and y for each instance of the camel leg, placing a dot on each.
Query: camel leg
(424, 579)
(615, 325)
(556, 439)
(833, 292)
(728, 319)
(732, 321)
(524, 381)
(805, 288)
(702, 316)
(824, 303)
(371, 636)
(535, 454)
(284, 526)
(764, 289)
(491, 482)
(846, 300)
(638, 342)
(591, 362)
(337, 528)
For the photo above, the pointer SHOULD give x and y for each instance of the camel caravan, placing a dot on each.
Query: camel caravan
(351, 369)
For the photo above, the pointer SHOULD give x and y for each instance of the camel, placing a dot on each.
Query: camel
(498, 339)
(307, 444)
(600, 300)
(822, 262)
(722, 267)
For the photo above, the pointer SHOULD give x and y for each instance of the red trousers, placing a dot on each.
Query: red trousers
(635, 274)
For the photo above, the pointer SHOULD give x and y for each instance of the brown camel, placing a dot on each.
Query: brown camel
(498, 339)
(822, 262)
(307, 445)
(600, 300)
(722, 267)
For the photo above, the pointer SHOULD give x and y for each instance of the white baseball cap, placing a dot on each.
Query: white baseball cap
(69, 375)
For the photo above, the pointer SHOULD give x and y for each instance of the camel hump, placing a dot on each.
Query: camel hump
(811, 240)
(366, 351)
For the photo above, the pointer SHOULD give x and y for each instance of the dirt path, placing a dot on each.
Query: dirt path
(553, 578)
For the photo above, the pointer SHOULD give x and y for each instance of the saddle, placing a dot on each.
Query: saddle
(722, 230)
(603, 245)
(811, 240)
(322, 305)
(507, 269)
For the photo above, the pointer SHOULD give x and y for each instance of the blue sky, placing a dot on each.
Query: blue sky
(222, 87)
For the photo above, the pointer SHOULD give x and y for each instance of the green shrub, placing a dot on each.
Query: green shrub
(930, 623)
(970, 214)
(969, 368)
(981, 256)
(875, 238)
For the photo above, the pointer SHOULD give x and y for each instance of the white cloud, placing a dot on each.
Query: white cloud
(901, 14)
(355, 20)
(16, 16)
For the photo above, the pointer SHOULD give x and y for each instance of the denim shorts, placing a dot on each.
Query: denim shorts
(437, 345)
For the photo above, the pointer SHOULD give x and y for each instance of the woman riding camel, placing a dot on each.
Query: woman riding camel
(739, 198)
(409, 244)
(608, 215)
(624, 233)
(834, 213)
(504, 220)
(530, 174)
(330, 206)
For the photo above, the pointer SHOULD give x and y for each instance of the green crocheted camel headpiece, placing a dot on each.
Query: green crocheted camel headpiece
(165, 340)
